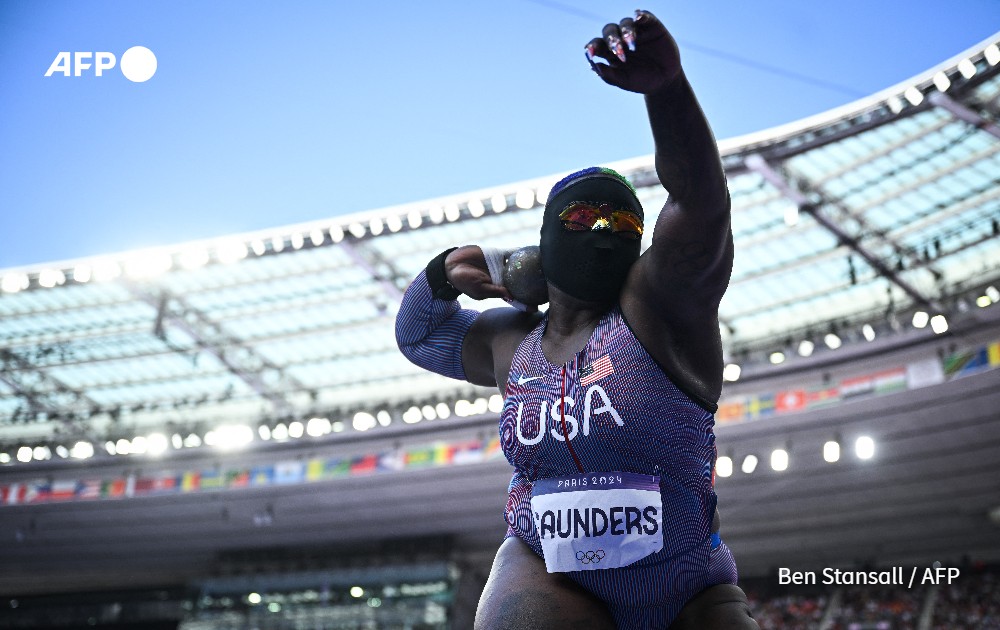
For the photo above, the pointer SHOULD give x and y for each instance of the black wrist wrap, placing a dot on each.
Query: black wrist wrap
(438, 279)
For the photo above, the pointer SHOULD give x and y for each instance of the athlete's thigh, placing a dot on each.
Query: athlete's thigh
(719, 607)
(521, 595)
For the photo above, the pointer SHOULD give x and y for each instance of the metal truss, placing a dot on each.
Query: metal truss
(262, 375)
(800, 198)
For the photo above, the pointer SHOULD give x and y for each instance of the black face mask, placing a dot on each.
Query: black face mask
(589, 265)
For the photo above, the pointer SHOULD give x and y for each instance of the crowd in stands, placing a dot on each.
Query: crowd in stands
(788, 612)
(972, 602)
(878, 607)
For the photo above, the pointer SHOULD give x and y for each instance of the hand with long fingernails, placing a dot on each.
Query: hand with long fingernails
(641, 54)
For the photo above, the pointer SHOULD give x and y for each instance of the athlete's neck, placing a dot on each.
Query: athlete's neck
(570, 324)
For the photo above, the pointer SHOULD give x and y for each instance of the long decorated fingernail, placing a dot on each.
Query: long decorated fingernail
(590, 52)
(629, 36)
(616, 46)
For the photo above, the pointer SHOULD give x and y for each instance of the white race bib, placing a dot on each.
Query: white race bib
(597, 520)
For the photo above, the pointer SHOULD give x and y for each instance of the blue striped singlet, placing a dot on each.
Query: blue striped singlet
(622, 413)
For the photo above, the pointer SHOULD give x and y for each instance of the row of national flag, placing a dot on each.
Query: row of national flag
(734, 409)
(911, 376)
(291, 472)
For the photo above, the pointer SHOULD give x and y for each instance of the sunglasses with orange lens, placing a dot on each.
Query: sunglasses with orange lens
(582, 217)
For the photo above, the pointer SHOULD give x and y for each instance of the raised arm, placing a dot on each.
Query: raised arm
(691, 253)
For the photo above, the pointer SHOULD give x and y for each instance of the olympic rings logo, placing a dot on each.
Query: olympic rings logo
(590, 557)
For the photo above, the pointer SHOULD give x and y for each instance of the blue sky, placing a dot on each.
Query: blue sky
(263, 114)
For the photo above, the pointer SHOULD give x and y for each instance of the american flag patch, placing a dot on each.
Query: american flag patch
(596, 371)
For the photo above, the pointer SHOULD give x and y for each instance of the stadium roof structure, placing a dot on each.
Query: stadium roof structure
(847, 223)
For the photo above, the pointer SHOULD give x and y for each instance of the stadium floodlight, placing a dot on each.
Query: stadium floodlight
(49, 278)
(412, 415)
(983, 301)
(939, 324)
(495, 403)
(62, 451)
(832, 340)
(4, 458)
(779, 459)
(992, 54)
(967, 68)
(476, 208)
(920, 319)
(105, 270)
(868, 332)
(337, 426)
(428, 412)
(298, 240)
(336, 233)
(177, 441)
(230, 251)
(524, 199)
(895, 104)
(394, 223)
(264, 432)
(258, 247)
(724, 466)
(110, 447)
(777, 357)
(42, 453)
(280, 431)
(749, 464)
(792, 215)
(993, 294)
(831, 451)
(295, 429)
(139, 445)
(498, 202)
(542, 193)
(193, 258)
(319, 426)
(914, 95)
(277, 243)
(384, 418)
(443, 411)
(317, 237)
(24, 454)
(435, 214)
(451, 212)
(254, 598)
(82, 273)
(230, 436)
(413, 219)
(192, 441)
(806, 347)
(864, 447)
(148, 264)
(463, 408)
(156, 443)
(14, 281)
(123, 447)
(480, 406)
(363, 421)
(941, 81)
(731, 372)
(357, 591)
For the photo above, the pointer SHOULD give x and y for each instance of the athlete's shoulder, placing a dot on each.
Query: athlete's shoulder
(508, 321)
